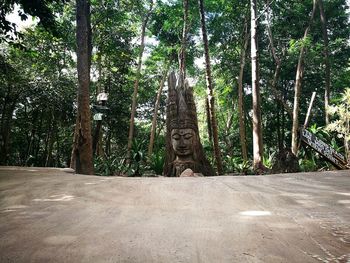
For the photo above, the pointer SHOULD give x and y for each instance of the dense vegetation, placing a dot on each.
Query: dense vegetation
(38, 80)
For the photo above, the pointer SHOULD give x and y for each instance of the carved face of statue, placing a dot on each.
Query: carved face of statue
(182, 141)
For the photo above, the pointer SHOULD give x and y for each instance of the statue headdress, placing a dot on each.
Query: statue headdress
(181, 109)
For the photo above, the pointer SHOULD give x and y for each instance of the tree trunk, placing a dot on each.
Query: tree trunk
(227, 140)
(182, 55)
(277, 94)
(72, 162)
(31, 137)
(97, 138)
(155, 114)
(346, 143)
(4, 131)
(49, 124)
(326, 61)
(297, 86)
(51, 141)
(257, 129)
(210, 87)
(82, 149)
(279, 142)
(283, 120)
(108, 140)
(278, 61)
(136, 83)
(210, 133)
(38, 142)
(240, 94)
(6, 124)
(58, 151)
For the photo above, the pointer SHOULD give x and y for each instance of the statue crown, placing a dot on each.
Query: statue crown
(181, 109)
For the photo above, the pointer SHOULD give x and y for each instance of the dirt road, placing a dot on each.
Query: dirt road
(47, 215)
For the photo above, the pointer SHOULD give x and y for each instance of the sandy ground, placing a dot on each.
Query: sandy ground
(47, 215)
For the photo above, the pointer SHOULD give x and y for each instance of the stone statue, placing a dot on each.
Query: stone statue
(183, 147)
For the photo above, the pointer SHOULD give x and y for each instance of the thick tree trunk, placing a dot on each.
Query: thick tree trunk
(257, 129)
(136, 83)
(210, 87)
(240, 94)
(155, 114)
(326, 60)
(297, 86)
(82, 149)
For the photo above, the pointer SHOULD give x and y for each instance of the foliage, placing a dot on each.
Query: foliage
(308, 165)
(40, 9)
(138, 158)
(156, 162)
(110, 165)
(341, 126)
(238, 165)
(267, 160)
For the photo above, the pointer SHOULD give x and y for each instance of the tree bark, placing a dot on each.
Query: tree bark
(279, 141)
(4, 130)
(6, 124)
(326, 60)
(277, 94)
(297, 86)
(31, 137)
(38, 141)
(97, 137)
(51, 141)
(182, 55)
(156, 107)
(257, 129)
(82, 149)
(136, 83)
(72, 162)
(207, 110)
(227, 140)
(210, 87)
(278, 61)
(240, 94)
(58, 151)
